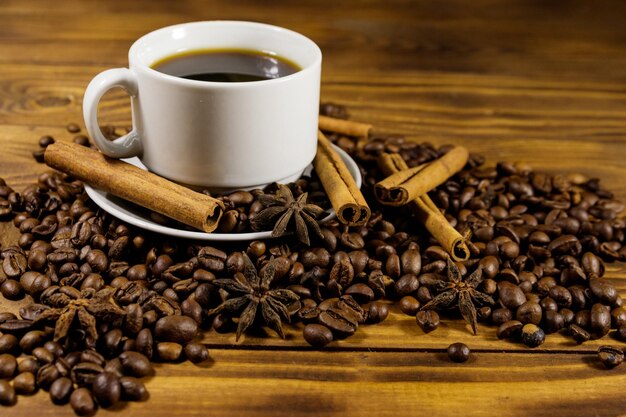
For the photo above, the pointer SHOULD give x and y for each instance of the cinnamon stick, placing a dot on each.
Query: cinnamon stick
(428, 213)
(344, 195)
(406, 185)
(345, 127)
(136, 185)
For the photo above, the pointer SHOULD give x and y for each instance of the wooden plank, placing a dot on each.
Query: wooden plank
(251, 383)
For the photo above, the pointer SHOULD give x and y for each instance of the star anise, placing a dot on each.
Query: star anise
(83, 311)
(252, 293)
(464, 293)
(281, 208)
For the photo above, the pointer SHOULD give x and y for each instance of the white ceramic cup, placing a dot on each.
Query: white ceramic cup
(215, 134)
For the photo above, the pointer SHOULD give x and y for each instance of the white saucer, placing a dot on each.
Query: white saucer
(130, 213)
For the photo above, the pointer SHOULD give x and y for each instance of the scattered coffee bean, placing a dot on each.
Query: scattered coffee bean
(7, 394)
(610, 356)
(25, 383)
(196, 352)
(317, 335)
(532, 336)
(106, 389)
(133, 389)
(82, 402)
(178, 329)
(8, 365)
(458, 352)
(378, 312)
(427, 320)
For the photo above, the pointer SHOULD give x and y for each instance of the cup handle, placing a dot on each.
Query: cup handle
(123, 147)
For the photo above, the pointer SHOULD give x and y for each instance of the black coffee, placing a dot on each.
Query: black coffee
(226, 65)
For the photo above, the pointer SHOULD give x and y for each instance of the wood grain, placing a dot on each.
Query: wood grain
(542, 82)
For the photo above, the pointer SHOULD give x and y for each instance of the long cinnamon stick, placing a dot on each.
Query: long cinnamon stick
(136, 185)
(345, 197)
(345, 127)
(406, 185)
(428, 213)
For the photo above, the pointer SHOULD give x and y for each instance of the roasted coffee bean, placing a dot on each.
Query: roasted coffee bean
(25, 384)
(360, 292)
(31, 340)
(46, 375)
(169, 351)
(554, 322)
(28, 364)
(43, 355)
(409, 305)
(8, 365)
(600, 320)
(178, 329)
(136, 364)
(501, 315)
(133, 389)
(378, 312)
(509, 329)
(317, 335)
(11, 290)
(529, 312)
(604, 291)
(196, 352)
(579, 334)
(106, 389)
(61, 390)
(532, 336)
(427, 320)
(82, 402)
(406, 285)
(458, 352)
(511, 296)
(84, 373)
(610, 356)
(212, 259)
(340, 323)
(8, 344)
(7, 394)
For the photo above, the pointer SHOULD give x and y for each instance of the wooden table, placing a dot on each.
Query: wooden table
(543, 82)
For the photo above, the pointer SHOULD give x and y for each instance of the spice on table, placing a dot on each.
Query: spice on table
(346, 198)
(428, 214)
(610, 356)
(345, 127)
(406, 185)
(136, 185)
(282, 210)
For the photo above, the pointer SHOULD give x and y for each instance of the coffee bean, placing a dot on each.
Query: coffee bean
(84, 373)
(106, 389)
(28, 364)
(133, 389)
(43, 355)
(8, 365)
(25, 384)
(178, 329)
(600, 320)
(529, 312)
(610, 356)
(511, 296)
(317, 335)
(196, 352)
(458, 352)
(136, 364)
(7, 394)
(409, 305)
(8, 344)
(11, 290)
(501, 315)
(427, 320)
(378, 312)
(82, 402)
(579, 334)
(46, 375)
(510, 329)
(604, 291)
(554, 322)
(169, 351)
(532, 336)
(340, 323)
(406, 285)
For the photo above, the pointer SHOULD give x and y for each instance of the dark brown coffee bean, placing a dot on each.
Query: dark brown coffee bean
(46, 375)
(554, 322)
(564, 245)
(600, 320)
(136, 364)
(212, 259)
(423, 295)
(603, 290)
(360, 292)
(529, 312)
(8, 344)
(509, 329)
(46, 140)
(28, 364)
(458, 352)
(409, 305)
(501, 315)
(43, 355)
(490, 266)
(84, 373)
(8, 365)
(25, 384)
(71, 127)
(60, 391)
(427, 320)
(169, 351)
(196, 352)
(618, 317)
(579, 334)
(133, 389)
(317, 335)
(411, 261)
(340, 323)
(406, 285)
(532, 336)
(610, 356)
(583, 319)
(511, 296)
(378, 312)
(178, 329)
(11, 290)
(82, 402)
(106, 389)
(7, 394)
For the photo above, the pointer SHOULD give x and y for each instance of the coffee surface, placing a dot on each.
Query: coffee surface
(226, 65)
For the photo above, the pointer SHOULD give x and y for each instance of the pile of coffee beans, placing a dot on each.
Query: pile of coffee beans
(109, 299)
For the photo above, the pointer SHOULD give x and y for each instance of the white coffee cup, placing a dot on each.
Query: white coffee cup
(215, 134)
